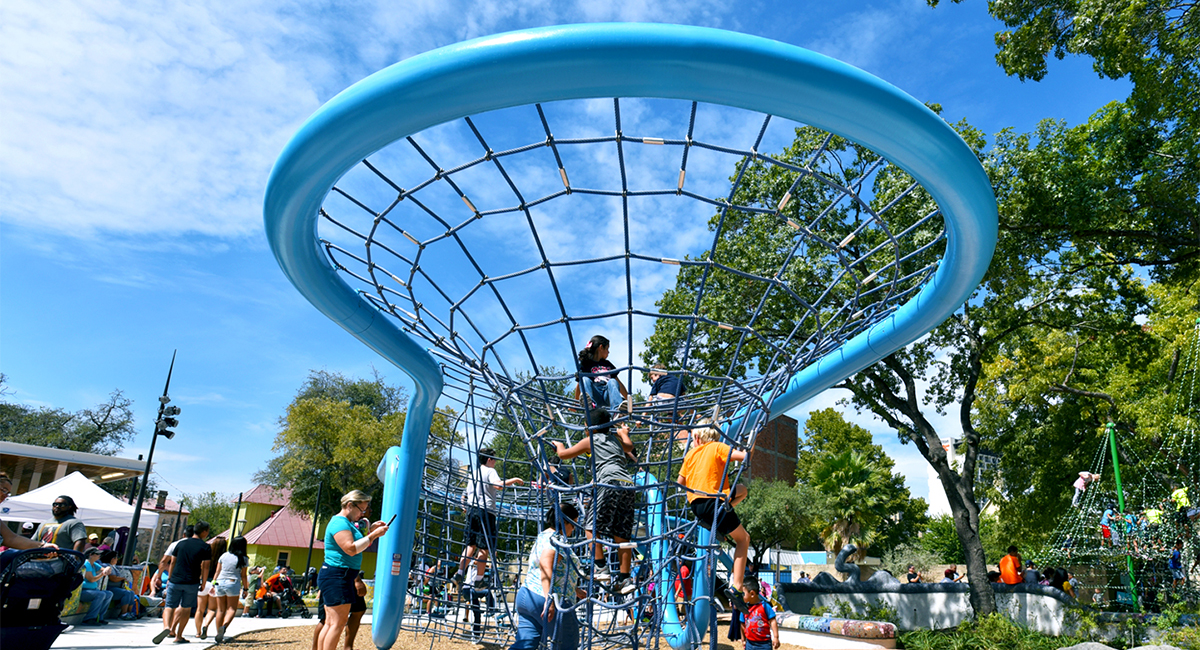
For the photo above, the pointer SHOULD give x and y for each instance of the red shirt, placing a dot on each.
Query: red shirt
(758, 622)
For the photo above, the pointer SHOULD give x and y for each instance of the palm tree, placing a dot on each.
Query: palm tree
(848, 481)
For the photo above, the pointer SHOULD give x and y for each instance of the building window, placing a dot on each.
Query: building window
(283, 559)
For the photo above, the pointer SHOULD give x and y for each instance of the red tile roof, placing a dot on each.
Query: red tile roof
(266, 494)
(284, 528)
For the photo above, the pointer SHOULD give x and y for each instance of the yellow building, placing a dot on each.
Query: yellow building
(277, 535)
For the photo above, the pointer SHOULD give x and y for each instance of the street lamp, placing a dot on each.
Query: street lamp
(162, 427)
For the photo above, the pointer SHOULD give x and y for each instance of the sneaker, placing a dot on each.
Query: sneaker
(158, 638)
(128, 616)
(625, 585)
(601, 574)
(458, 579)
(735, 599)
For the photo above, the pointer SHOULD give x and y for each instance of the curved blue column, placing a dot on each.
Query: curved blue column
(611, 60)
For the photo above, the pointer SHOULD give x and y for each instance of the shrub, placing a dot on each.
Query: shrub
(987, 633)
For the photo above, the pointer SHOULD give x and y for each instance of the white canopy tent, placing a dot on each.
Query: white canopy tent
(96, 507)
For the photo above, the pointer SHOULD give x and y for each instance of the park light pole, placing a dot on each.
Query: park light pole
(162, 427)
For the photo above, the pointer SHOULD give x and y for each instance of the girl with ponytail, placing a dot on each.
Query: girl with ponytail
(598, 382)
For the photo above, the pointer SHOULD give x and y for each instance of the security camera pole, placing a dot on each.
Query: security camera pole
(162, 424)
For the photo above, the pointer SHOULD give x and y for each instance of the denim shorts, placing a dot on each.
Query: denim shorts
(233, 588)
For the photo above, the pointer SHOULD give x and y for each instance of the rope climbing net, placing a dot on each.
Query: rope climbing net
(506, 285)
(481, 213)
(1112, 541)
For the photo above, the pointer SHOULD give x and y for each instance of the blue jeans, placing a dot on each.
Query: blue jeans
(98, 601)
(606, 395)
(532, 628)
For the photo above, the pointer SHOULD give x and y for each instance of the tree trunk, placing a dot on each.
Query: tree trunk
(965, 513)
(960, 493)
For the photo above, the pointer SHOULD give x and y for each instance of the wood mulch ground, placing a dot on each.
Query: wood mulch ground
(300, 638)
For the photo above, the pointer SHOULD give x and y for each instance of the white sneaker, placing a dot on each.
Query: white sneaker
(601, 574)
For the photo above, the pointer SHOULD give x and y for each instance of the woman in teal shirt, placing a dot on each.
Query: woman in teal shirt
(344, 545)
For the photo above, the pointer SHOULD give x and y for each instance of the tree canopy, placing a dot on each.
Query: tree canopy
(333, 434)
(894, 517)
(778, 515)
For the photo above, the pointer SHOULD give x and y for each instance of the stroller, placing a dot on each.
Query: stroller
(280, 590)
(34, 584)
(290, 601)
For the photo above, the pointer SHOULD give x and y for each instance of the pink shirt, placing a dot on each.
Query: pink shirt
(1084, 479)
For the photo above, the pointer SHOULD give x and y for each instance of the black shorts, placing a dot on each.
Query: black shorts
(706, 508)
(614, 513)
(337, 585)
(481, 528)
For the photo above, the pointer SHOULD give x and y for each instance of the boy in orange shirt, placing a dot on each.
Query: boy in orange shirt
(703, 475)
(1010, 567)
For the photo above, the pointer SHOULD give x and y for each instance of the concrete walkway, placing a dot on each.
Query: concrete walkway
(140, 633)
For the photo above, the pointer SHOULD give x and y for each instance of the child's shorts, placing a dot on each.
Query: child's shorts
(758, 645)
(706, 508)
(1105, 532)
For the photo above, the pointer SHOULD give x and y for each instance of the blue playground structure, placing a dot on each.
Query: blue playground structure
(475, 213)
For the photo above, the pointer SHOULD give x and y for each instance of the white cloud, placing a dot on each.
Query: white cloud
(163, 118)
(865, 38)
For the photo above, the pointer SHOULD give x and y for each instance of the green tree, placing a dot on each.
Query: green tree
(1125, 184)
(103, 429)
(212, 507)
(778, 515)
(335, 432)
(846, 482)
(900, 517)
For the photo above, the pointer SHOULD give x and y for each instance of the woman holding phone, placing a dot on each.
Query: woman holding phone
(344, 545)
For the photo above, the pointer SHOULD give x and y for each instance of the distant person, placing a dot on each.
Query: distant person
(1010, 567)
(958, 577)
(912, 577)
(949, 575)
(206, 597)
(703, 476)
(1110, 531)
(64, 531)
(479, 499)
(1081, 485)
(190, 562)
(1175, 564)
(10, 538)
(344, 546)
(97, 599)
(804, 577)
(107, 544)
(120, 585)
(270, 593)
(1031, 574)
(232, 583)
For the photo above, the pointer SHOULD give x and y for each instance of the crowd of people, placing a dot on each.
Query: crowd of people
(555, 578)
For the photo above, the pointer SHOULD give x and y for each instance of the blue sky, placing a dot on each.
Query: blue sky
(137, 139)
